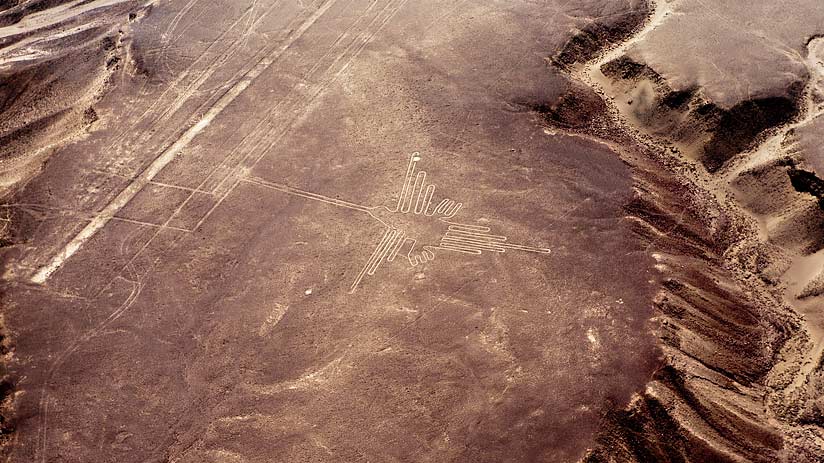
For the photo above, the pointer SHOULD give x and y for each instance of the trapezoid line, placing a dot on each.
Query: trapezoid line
(126, 195)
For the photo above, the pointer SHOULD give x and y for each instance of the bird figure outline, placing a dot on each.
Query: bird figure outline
(417, 226)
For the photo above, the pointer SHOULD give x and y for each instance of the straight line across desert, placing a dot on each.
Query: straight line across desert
(466, 231)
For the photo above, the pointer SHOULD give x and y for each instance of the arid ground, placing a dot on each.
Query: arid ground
(412, 231)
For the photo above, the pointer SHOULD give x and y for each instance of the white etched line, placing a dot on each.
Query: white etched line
(475, 245)
(174, 85)
(169, 154)
(305, 103)
(485, 238)
(302, 103)
(385, 250)
(216, 205)
(427, 200)
(398, 244)
(468, 228)
(476, 236)
(184, 94)
(374, 256)
(178, 187)
(448, 208)
(527, 248)
(415, 198)
(149, 224)
(305, 194)
(451, 247)
(238, 148)
(420, 180)
(496, 245)
(293, 107)
(108, 212)
(407, 179)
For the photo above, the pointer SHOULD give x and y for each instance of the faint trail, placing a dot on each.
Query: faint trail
(260, 130)
(422, 314)
(171, 85)
(45, 397)
(249, 160)
(166, 157)
(135, 279)
(176, 19)
(591, 72)
(258, 136)
(185, 202)
(165, 41)
(170, 108)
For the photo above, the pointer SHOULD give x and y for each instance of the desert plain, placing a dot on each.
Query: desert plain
(397, 231)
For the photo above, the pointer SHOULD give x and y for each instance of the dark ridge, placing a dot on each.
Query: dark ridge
(21, 138)
(35, 95)
(732, 130)
(596, 36)
(678, 99)
(712, 317)
(711, 320)
(814, 416)
(7, 392)
(739, 127)
(89, 34)
(12, 87)
(813, 412)
(112, 62)
(140, 66)
(807, 182)
(644, 208)
(13, 11)
(786, 162)
(708, 320)
(647, 431)
(627, 69)
(811, 38)
(90, 116)
(740, 433)
(708, 110)
(575, 110)
(721, 334)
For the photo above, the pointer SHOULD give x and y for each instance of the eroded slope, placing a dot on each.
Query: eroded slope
(56, 61)
(727, 199)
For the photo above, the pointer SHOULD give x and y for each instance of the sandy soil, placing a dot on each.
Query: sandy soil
(382, 230)
(217, 271)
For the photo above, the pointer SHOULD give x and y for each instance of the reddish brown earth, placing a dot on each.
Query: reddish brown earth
(209, 317)
(383, 230)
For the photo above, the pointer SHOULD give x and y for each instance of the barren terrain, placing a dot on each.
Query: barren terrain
(383, 230)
